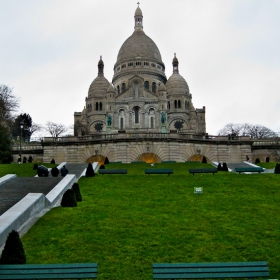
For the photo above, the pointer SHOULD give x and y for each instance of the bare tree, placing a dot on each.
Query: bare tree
(8, 102)
(55, 129)
(245, 129)
(35, 128)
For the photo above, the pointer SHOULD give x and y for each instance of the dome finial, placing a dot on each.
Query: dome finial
(138, 18)
(175, 64)
(100, 67)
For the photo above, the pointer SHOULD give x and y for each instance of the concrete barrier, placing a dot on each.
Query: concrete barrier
(7, 178)
(61, 165)
(17, 215)
(56, 193)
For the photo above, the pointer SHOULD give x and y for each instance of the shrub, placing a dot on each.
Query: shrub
(224, 168)
(257, 160)
(76, 190)
(102, 167)
(219, 167)
(106, 161)
(277, 168)
(69, 199)
(55, 172)
(52, 161)
(13, 252)
(204, 160)
(90, 171)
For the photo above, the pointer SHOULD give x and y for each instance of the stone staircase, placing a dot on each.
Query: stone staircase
(13, 191)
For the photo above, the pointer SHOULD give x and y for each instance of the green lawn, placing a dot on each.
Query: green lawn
(21, 170)
(127, 222)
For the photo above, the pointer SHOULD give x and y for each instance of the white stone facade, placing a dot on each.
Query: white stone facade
(140, 97)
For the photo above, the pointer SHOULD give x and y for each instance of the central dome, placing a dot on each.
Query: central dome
(139, 45)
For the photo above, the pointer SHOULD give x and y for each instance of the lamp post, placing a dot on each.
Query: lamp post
(21, 127)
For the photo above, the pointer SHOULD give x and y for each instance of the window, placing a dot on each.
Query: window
(100, 106)
(153, 65)
(146, 85)
(136, 114)
(130, 64)
(121, 123)
(168, 105)
(124, 65)
(138, 63)
(154, 87)
(152, 122)
(179, 104)
(123, 87)
(175, 104)
(96, 106)
(118, 88)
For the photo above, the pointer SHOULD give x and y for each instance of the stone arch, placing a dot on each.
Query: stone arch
(198, 157)
(148, 158)
(96, 158)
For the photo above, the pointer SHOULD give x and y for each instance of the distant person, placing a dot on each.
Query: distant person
(55, 172)
(52, 161)
(63, 171)
(30, 159)
(19, 160)
(43, 171)
(24, 159)
(35, 167)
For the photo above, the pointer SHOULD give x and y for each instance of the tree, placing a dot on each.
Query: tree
(5, 145)
(245, 129)
(55, 129)
(13, 252)
(9, 103)
(24, 121)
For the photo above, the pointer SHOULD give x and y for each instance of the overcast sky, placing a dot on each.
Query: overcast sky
(228, 52)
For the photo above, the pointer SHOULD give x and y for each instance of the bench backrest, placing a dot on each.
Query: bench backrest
(210, 270)
(49, 271)
(158, 170)
(249, 169)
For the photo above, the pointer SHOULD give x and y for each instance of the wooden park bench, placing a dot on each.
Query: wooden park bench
(158, 171)
(203, 170)
(249, 169)
(49, 271)
(210, 270)
(112, 171)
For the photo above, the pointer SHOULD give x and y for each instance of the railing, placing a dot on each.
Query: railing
(142, 135)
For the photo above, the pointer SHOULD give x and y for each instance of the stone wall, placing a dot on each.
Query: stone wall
(128, 151)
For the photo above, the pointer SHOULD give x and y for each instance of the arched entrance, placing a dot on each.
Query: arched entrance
(96, 158)
(148, 158)
(197, 157)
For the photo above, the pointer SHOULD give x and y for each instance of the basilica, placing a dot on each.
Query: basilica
(140, 98)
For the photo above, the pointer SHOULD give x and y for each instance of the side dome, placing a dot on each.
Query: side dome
(176, 84)
(100, 84)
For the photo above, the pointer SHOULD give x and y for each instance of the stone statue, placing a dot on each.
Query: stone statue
(109, 120)
(163, 118)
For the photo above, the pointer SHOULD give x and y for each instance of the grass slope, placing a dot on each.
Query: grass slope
(21, 170)
(127, 222)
